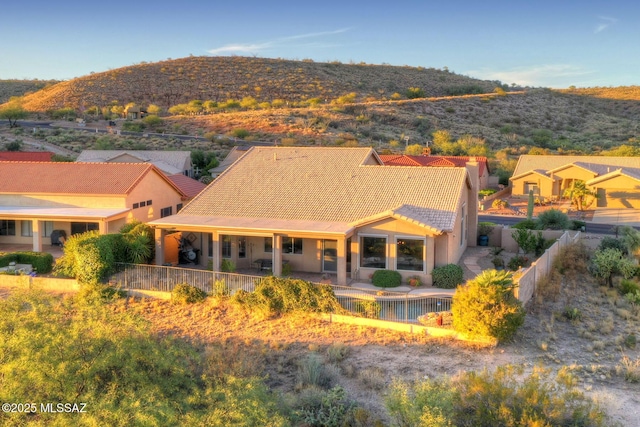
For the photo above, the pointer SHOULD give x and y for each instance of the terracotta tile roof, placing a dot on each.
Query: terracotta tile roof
(189, 186)
(434, 161)
(326, 185)
(25, 156)
(171, 162)
(72, 178)
(530, 162)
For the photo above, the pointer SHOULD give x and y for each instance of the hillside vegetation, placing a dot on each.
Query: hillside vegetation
(11, 88)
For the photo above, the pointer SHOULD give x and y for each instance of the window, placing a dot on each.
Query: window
(149, 202)
(83, 227)
(463, 222)
(226, 246)
(242, 247)
(136, 205)
(142, 204)
(26, 228)
(268, 244)
(291, 245)
(166, 211)
(373, 252)
(178, 207)
(410, 253)
(7, 227)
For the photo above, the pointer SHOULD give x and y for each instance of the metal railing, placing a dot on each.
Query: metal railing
(376, 304)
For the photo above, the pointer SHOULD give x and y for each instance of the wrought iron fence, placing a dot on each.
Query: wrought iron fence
(376, 304)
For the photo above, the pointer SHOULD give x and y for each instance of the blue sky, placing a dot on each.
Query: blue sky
(536, 43)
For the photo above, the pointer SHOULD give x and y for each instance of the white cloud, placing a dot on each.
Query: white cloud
(551, 75)
(605, 23)
(254, 48)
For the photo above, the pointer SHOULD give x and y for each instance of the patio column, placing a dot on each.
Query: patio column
(160, 235)
(36, 227)
(431, 253)
(276, 262)
(342, 261)
(204, 249)
(215, 237)
(103, 226)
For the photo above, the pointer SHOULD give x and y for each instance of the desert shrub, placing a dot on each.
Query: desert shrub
(572, 313)
(572, 260)
(315, 407)
(629, 286)
(487, 192)
(133, 126)
(499, 204)
(240, 133)
(497, 261)
(312, 372)
(221, 289)
(609, 242)
(286, 269)
(527, 224)
(485, 228)
(98, 293)
(228, 266)
(276, 295)
(184, 293)
(337, 352)
(368, 309)
(498, 398)
(553, 219)
(448, 276)
(517, 262)
(577, 225)
(386, 279)
(632, 297)
(610, 262)
(487, 307)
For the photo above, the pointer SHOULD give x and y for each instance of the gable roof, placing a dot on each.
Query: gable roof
(189, 186)
(74, 178)
(233, 155)
(170, 162)
(25, 156)
(597, 164)
(633, 173)
(281, 186)
(434, 161)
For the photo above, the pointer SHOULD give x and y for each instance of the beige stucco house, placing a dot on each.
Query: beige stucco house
(616, 180)
(37, 198)
(330, 210)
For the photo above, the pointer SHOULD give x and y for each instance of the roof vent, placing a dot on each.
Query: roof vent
(275, 156)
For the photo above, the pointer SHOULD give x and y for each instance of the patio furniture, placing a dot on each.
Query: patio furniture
(266, 263)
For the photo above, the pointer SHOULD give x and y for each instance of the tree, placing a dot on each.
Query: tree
(154, 109)
(415, 92)
(414, 150)
(610, 262)
(581, 196)
(13, 112)
(487, 307)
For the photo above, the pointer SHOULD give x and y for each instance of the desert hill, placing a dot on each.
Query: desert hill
(11, 88)
(172, 82)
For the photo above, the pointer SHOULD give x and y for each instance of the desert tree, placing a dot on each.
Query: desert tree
(13, 111)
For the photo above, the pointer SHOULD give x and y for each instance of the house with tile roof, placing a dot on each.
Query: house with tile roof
(615, 180)
(441, 161)
(25, 156)
(169, 162)
(278, 205)
(232, 156)
(37, 198)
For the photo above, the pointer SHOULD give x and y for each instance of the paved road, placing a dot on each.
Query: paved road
(591, 227)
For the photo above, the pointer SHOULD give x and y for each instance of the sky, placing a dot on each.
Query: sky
(534, 43)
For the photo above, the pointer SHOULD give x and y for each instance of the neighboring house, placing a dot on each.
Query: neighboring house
(616, 180)
(25, 156)
(234, 154)
(169, 162)
(441, 161)
(135, 113)
(332, 210)
(189, 186)
(38, 198)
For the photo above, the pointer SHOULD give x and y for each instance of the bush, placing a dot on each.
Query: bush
(517, 262)
(228, 266)
(312, 372)
(133, 126)
(386, 279)
(527, 224)
(325, 408)
(553, 219)
(41, 262)
(448, 276)
(499, 398)
(499, 204)
(487, 192)
(368, 309)
(629, 287)
(613, 243)
(485, 228)
(184, 293)
(487, 307)
(276, 295)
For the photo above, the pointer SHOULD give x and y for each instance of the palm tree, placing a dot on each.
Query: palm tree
(580, 195)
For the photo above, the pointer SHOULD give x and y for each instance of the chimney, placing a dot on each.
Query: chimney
(426, 151)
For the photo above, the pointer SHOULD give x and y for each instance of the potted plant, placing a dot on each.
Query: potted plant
(484, 229)
(414, 281)
(498, 262)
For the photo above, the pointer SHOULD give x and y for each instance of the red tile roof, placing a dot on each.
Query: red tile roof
(189, 186)
(434, 161)
(73, 178)
(25, 156)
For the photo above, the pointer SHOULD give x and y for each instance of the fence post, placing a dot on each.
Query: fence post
(406, 308)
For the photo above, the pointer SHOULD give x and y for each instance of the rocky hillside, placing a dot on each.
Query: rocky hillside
(11, 88)
(178, 81)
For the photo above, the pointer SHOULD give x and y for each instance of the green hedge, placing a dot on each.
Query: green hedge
(386, 279)
(448, 276)
(42, 262)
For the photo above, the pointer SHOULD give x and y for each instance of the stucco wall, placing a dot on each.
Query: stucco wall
(49, 200)
(155, 188)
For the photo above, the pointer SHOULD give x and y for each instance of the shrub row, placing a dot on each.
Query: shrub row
(42, 262)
